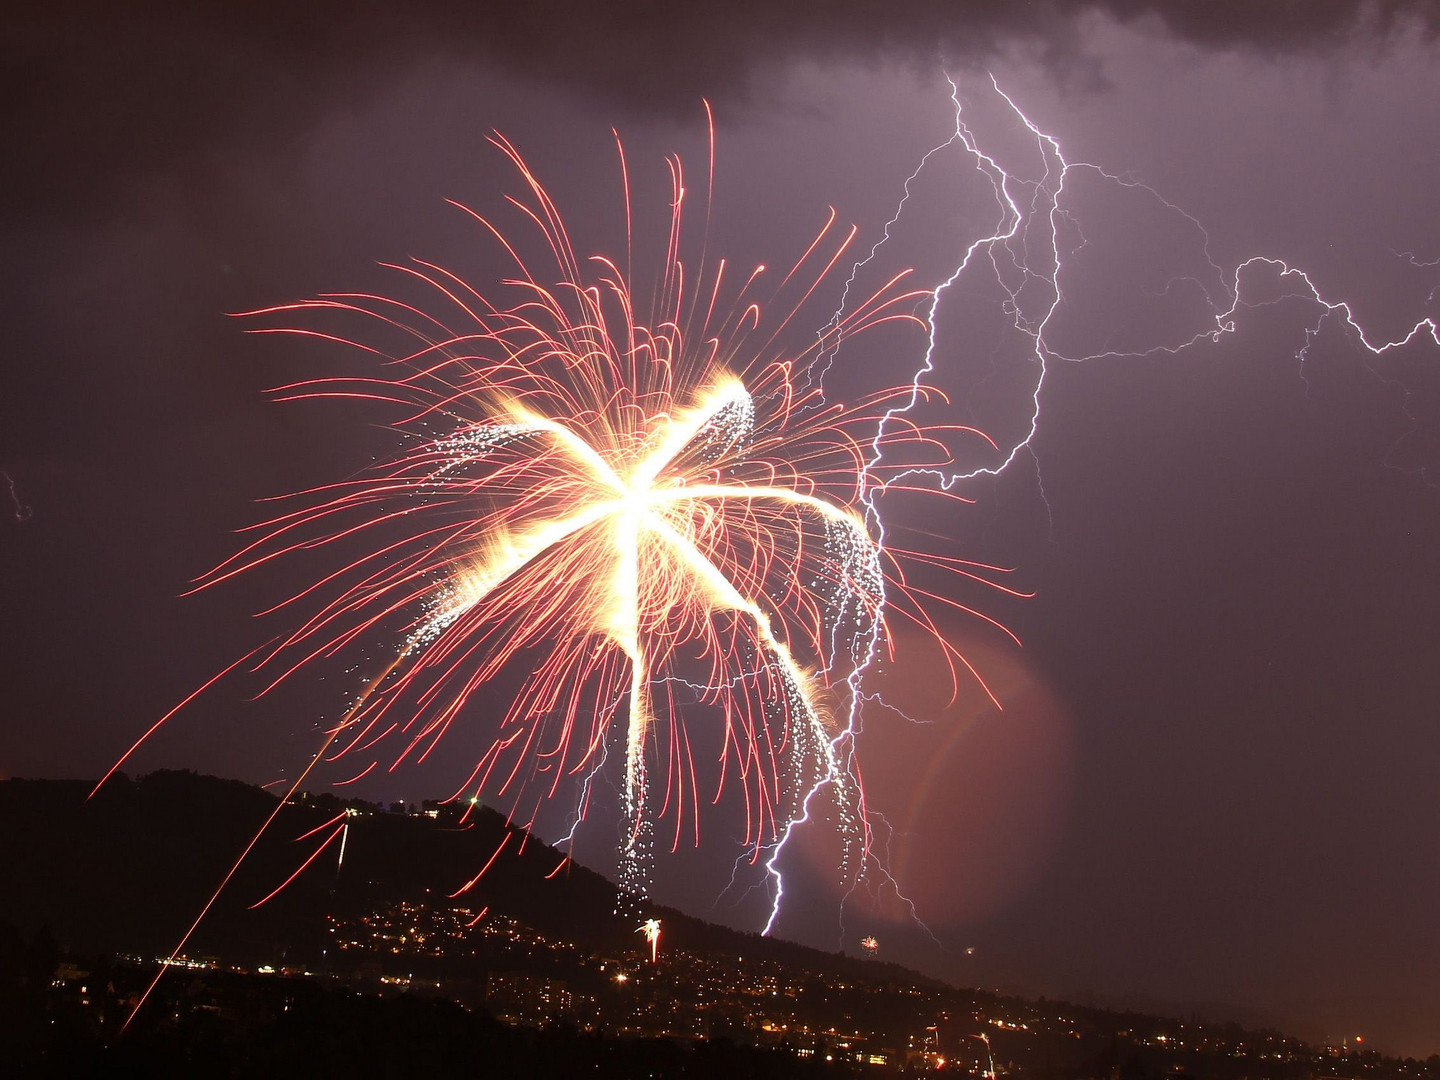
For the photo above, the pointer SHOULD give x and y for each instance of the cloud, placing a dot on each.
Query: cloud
(95, 96)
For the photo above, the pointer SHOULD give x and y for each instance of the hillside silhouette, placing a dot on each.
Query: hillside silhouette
(127, 870)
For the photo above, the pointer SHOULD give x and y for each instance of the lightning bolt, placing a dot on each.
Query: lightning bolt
(23, 512)
(1026, 258)
(1011, 218)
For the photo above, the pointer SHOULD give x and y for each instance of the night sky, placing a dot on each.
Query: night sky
(1216, 778)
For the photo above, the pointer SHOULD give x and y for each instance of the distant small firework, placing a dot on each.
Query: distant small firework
(870, 945)
(651, 929)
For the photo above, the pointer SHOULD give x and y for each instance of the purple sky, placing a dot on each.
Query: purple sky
(1215, 777)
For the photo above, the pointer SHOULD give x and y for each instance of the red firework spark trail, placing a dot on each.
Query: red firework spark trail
(334, 835)
(504, 843)
(616, 505)
(158, 723)
(483, 911)
(229, 874)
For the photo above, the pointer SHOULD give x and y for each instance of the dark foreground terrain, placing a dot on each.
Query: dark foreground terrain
(370, 967)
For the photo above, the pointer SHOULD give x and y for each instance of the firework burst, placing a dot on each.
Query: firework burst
(648, 519)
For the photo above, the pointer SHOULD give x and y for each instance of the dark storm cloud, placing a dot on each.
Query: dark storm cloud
(98, 96)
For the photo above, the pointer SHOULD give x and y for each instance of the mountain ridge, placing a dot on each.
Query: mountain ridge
(129, 868)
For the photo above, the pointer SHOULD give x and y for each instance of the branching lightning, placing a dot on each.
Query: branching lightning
(1026, 257)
